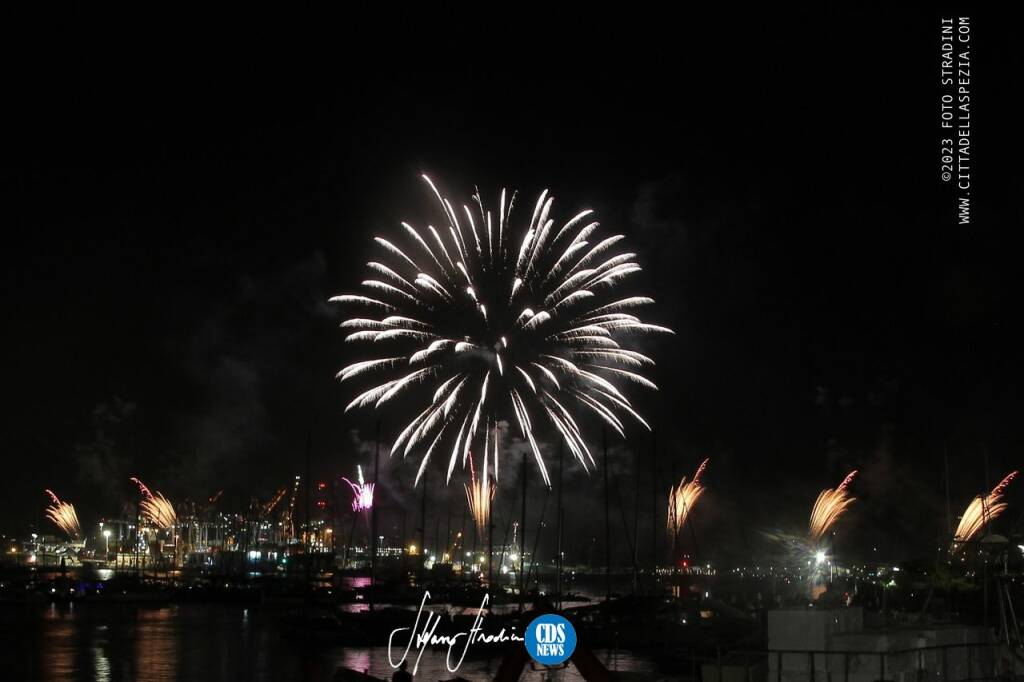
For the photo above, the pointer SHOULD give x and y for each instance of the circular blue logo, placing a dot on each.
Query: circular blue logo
(550, 639)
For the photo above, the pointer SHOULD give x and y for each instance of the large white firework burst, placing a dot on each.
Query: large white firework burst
(500, 323)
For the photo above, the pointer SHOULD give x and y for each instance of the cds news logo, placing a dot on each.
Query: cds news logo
(550, 639)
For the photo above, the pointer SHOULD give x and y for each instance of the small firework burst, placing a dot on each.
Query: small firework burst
(830, 505)
(156, 508)
(682, 498)
(362, 492)
(479, 495)
(980, 512)
(64, 516)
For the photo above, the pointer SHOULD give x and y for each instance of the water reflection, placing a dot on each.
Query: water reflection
(157, 644)
(101, 665)
(115, 643)
(60, 661)
(433, 666)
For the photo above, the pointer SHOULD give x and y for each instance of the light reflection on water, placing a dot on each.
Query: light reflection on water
(115, 643)
(433, 666)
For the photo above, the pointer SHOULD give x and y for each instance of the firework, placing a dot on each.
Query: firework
(682, 498)
(157, 509)
(830, 505)
(142, 487)
(479, 495)
(491, 318)
(980, 512)
(64, 516)
(362, 492)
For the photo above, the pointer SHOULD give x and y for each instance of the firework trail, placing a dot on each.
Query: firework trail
(142, 487)
(682, 498)
(64, 516)
(362, 492)
(157, 509)
(830, 505)
(274, 501)
(980, 512)
(491, 317)
(479, 495)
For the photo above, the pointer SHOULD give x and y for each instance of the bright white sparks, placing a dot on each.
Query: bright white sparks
(501, 323)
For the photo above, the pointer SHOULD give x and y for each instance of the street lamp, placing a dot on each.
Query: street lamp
(106, 538)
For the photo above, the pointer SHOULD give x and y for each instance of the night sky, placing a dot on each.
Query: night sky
(173, 233)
